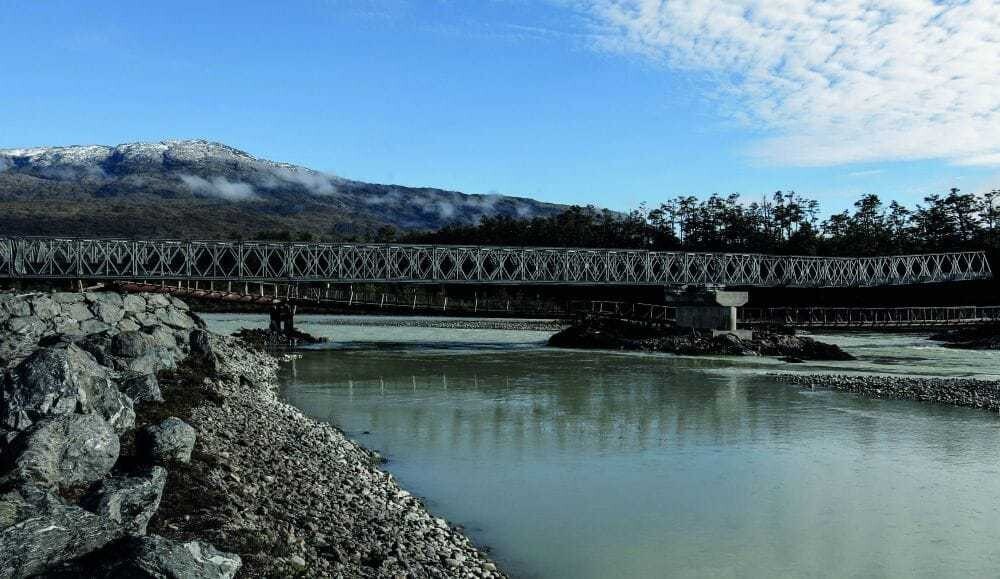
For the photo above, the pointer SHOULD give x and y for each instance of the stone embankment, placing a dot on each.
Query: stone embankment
(620, 335)
(954, 391)
(135, 443)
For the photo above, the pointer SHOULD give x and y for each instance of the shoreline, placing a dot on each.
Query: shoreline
(308, 497)
(968, 392)
(162, 449)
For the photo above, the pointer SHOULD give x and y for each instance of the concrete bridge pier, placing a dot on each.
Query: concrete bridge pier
(708, 308)
(283, 319)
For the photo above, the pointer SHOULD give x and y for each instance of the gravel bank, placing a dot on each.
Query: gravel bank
(295, 496)
(954, 391)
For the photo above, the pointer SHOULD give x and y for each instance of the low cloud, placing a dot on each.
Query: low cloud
(317, 183)
(219, 187)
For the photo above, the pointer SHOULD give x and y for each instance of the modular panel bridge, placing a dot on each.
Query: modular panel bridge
(250, 261)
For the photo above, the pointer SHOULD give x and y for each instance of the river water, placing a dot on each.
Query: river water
(582, 464)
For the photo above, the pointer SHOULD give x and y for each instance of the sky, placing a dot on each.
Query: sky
(606, 102)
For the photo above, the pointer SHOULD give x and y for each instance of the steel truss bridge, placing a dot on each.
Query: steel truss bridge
(249, 261)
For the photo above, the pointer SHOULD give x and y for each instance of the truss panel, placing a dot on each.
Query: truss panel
(37, 257)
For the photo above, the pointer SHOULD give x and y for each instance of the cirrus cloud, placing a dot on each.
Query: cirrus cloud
(833, 82)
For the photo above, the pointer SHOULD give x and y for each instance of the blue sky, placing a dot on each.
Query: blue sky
(610, 102)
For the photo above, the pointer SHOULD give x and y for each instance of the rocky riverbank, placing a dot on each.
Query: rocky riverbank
(135, 443)
(984, 337)
(954, 391)
(620, 335)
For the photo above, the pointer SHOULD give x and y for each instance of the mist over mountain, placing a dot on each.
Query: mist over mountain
(201, 189)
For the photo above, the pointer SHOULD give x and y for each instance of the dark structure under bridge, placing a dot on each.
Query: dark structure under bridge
(119, 259)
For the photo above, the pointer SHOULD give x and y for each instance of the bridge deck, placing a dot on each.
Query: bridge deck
(115, 259)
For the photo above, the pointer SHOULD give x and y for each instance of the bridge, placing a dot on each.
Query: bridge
(304, 263)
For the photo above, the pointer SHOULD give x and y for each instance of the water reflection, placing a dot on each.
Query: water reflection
(587, 464)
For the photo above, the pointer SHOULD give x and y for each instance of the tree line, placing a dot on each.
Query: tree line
(782, 223)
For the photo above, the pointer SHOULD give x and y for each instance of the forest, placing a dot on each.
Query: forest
(782, 223)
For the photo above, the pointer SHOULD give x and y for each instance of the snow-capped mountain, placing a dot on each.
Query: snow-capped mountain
(198, 188)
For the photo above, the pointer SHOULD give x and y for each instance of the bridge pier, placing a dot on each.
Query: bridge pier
(283, 319)
(707, 308)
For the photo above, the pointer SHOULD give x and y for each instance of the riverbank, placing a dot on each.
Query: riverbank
(984, 337)
(621, 335)
(163, 449)
(970, 392)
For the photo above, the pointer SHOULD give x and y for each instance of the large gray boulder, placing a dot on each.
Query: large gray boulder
(142, 388)
(108, 313)
(134, 304)
(201, 352)
(44, 308)
(38, 531)
(130, 344)
(169, 441)
(154, 557)
(128, 501)
(79, 311)
(63, 451)
(60, 379)
(174, 318)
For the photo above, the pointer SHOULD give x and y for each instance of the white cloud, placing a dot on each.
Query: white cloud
(317, 183)
(219, 187)
(833, 82)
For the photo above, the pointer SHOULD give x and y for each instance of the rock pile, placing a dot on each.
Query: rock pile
(621, 335)
(955, 391)
(157, 449)
(76, 370)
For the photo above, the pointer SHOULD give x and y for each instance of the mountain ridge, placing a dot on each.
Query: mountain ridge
(201, 188)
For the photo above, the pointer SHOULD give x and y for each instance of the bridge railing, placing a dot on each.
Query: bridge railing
(831, 317)
(36, 257)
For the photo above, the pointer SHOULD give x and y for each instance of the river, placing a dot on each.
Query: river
(575, 464)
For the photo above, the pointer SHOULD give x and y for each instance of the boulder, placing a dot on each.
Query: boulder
(93, 326)
(161, 336)
(25, 326)
(128, 501)
(61, 379)
(174, 318)
(66, 326)
(63, 451)
(16, 306)
(155, 557)
(157, 301)
(79, 311)
(179, 304)
(201, 352)
(107, 312)
(169, 441)
(67, 297)
(142, 389)
(38, 532)
(44, 308)
(127, 325)
(130, 344)
(112, 298)
(134, 304)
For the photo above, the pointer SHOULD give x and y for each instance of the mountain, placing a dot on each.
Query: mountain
(200, 189)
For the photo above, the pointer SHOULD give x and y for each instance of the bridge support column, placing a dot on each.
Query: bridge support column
(712, 309)
(283, 319)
